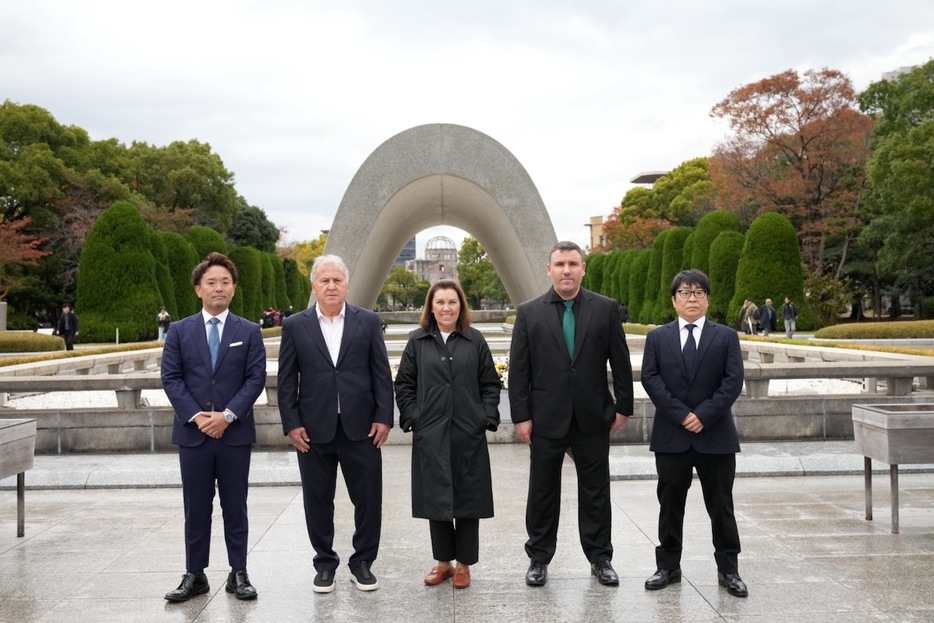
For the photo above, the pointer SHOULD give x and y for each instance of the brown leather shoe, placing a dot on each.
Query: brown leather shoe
(438, 574)
(462, 576)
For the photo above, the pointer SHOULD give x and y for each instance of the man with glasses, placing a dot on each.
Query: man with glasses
(692, 369)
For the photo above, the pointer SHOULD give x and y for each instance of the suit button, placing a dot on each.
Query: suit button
(208, 405)
(213, 382)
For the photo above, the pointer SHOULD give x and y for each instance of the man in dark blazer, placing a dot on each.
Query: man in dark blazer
(335, 401)
(213, 370)
(68, 327)
(560, 401)
(692, 369)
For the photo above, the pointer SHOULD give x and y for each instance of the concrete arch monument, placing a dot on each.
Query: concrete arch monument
(442, 174)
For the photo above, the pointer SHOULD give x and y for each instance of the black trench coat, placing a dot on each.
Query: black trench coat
(448, 396)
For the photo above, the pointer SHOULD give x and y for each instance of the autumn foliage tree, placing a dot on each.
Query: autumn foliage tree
(799, 148)
(17, 249)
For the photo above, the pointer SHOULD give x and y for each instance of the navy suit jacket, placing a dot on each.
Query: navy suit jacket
(310, 383)
(709, 392)
(193, 387)
(549, 388)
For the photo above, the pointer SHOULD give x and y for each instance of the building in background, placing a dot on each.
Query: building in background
(440, 261)
(596, 233)
(407, 254)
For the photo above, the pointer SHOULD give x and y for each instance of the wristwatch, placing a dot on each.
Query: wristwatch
(229, 416)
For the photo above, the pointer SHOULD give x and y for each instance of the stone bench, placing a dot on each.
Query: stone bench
(17, 449)
(899, 374)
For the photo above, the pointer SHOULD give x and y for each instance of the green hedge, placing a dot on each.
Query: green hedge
(27, 342)
(895, 330)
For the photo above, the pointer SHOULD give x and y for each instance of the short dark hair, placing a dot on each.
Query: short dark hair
(691, 277)
(463, 318)
(564, 245)
(213, 259)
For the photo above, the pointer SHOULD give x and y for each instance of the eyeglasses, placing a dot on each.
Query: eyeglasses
(700, 295)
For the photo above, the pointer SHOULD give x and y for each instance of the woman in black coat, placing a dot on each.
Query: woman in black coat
(448, 394)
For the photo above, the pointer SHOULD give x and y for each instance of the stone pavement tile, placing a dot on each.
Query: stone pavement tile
(808, 555)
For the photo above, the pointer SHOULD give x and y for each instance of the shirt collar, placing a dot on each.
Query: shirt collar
(205, 316)
(556, 298)
(320, 315)
(699, 323)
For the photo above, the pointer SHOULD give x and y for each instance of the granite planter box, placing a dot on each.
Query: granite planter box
(17, 448)
(894, 434)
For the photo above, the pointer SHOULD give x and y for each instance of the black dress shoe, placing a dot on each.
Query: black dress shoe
(191, 585)
(662, 578)
(537, 574)
(238, 583)
(734, 584)
(605, 573)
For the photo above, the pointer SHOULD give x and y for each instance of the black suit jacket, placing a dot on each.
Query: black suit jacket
(709, 392)
(309, 382)
(547, 387)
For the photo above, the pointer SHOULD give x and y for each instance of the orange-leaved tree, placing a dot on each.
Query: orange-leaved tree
(17, 249)
(799, 148)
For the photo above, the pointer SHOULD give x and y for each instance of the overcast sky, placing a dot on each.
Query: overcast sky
(295, 94)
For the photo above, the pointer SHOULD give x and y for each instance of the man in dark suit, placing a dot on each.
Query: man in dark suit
(560, 401)
(213, 370)
(67, 327)
(692, 369)
(335, 401)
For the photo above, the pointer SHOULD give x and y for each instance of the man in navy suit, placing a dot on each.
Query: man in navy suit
(560, 401)
(213, 370)
(335, 401)
(692, 369)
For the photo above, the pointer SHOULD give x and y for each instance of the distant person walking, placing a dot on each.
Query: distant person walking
(68, 326)
(789, 315)
(749, 317)
(163, 319)
(768, 318)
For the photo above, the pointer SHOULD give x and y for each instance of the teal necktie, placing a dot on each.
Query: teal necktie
(567, 327)
(214, 341)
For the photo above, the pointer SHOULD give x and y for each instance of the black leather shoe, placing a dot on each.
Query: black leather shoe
(191, 585)
(537, 574)
(662, 578)
(238, 583)
(605, 573)
(734, 584)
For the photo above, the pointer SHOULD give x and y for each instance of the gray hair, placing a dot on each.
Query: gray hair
(329, 260)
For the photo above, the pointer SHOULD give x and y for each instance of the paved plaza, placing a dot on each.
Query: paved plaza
(104, 543)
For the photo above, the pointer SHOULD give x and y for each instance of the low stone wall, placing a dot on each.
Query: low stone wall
(149, 429)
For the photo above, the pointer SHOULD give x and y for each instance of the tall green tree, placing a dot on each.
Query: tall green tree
(401, 288)
(770, 267)
(188, 176)
(653, 278)
(672, 254)
(252, 228)
(637, 280)
(117, 284)
(182, 259)
(206, 241)
(706, 232)
(723, 258)
(249, 295)
(798, 147)
(899, 204)
(477, 275)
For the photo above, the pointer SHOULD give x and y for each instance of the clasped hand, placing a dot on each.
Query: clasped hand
(212, 423)
(693, 423)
